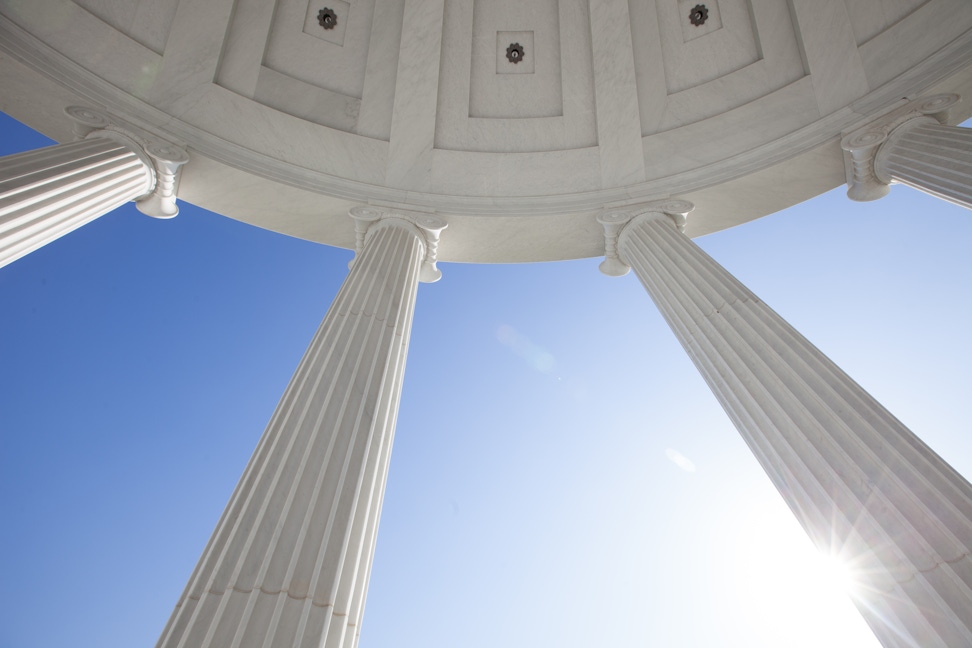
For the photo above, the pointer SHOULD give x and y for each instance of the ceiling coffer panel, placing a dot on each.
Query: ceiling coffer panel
(507, 68)
(703, 40)
(146, 22)
(871, 17)
(310, 59)
(333, 58)
(526, 82)
(695, 59)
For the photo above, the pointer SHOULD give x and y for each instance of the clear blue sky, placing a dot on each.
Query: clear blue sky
(561, 475)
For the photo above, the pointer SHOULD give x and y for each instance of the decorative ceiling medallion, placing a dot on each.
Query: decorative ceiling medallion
(514, 53)
(698, 15)
(327, 18)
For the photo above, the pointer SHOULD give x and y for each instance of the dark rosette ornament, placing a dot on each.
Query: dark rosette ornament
(514, 53)
(327, 18)
(698, 15)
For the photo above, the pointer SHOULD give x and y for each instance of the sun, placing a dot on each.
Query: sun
(790, 593)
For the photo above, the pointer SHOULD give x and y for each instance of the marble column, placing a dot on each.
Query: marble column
(864, 487)
(912, 145)
(45, 194)
(289, 562)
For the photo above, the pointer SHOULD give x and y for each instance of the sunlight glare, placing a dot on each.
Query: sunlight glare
(784, 582)
(835, 573)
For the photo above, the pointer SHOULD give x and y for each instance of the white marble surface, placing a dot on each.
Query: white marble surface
(337, 64)
(915, 155)
(145, 21)
(50, 192)
(931, 26)
(577, 68)
(191, 58)
(378, 92)
(830, 52)
(870, 146)
(782, 113)
(517, 174)
(307, 101)
(766, 60)
(413, 120)
(289, 562)
(691, 59)
(255, 126)
(246, 38)
(871, 17)
(528, 89)
(93, 44)
(616, 95)
(566, 94)
(394, 125)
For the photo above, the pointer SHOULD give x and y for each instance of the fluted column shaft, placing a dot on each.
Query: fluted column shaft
(45, 194)
(930, 157)
(863, 486)
(289, 562)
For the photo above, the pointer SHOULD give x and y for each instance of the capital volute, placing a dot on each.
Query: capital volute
(163, 159)
(615, 220)
(866, 179)
(428, 227)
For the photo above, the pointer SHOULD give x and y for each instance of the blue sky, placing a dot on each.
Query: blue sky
(561, 475)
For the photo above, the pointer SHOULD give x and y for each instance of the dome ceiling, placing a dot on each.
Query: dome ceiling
(516, 121)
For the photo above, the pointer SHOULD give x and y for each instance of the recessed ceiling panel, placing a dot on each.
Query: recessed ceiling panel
(336, 58)
(871, 17)
(528, 87)
(698, 50)
(696, 59)
(327, 20)
(145, 21)
(507, 67)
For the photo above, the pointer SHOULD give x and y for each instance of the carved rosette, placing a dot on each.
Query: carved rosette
(327, 18)
(615, 220)
(866, 179)
(698, 15)
(514, 53)
(163, 159)
(428, 227)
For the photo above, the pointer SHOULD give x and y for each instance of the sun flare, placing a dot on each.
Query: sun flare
(784, 580)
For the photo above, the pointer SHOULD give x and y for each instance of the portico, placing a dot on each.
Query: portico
(416, 129)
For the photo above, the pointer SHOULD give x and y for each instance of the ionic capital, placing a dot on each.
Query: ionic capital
(428, 227)
(163, 159)
(615, 220)
(866, 179)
